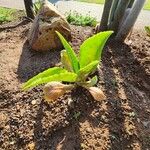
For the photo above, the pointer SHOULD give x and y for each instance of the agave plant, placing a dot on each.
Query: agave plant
(75, 70)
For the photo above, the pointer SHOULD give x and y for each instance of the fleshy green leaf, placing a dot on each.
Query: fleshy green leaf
(70, 52)
(65, 60)
(93, 81)
(46, 73)
(65, 76)
(84, 72)
(91, 49)
(89, 83)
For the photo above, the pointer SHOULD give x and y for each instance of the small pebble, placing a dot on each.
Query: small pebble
(146, 124)
(12, 143)
(138, 120)
(70, 103)
(31, 146)
(33, 102)
(89, 130)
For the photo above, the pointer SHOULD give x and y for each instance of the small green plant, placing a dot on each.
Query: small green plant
(36, 6)
(77, 115)
(147, 29)
(80, 20)
(74, 70)
(6, 14)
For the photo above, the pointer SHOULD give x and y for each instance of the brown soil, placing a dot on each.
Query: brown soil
(122, 122)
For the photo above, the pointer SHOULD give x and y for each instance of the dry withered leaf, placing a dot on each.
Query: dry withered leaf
(54, 90)
(97, 93)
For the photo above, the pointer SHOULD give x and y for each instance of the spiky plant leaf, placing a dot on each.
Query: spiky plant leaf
(70, 52)
(91, 49)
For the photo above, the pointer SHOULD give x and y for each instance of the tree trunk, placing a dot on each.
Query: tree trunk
(105, 15)
(119, 13)
(29, 8)
(130, 20)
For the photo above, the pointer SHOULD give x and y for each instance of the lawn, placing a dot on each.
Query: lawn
(146, 6)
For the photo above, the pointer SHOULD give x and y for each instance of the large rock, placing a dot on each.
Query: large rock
(42, 36)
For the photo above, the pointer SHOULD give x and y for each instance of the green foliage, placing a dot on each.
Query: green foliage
(36, 6)
(6, 14)
(85, 71)
(73, 70)
(71, 54)
(4, 18)
(66, 77)
(94, 46)
(51, 74)
(80, 20)
(147, 29)
(147, 5)
(65, 60)
(93, 81)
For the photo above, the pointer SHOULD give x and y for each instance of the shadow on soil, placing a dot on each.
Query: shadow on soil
(122, 129)
(31, 62)
(125, 79)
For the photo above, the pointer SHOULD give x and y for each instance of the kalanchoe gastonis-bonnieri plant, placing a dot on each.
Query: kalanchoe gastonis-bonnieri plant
(75, 70)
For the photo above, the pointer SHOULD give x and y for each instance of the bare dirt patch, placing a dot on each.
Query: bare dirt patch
(121, 122)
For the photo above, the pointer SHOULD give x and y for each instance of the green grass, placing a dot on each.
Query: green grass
(6, 14)
(80, 20)
(146, 6)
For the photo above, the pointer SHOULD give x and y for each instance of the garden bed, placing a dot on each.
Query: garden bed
(120, 122)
